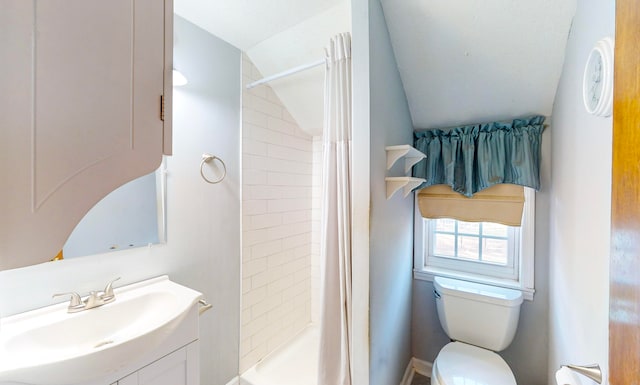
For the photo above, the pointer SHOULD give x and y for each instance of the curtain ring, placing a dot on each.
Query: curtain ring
(206, 158)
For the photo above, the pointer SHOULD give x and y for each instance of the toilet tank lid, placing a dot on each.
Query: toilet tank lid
(477, 291)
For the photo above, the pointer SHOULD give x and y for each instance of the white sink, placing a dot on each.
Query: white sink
(49, 346)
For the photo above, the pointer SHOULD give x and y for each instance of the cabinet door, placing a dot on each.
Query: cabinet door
(80, 112)
(178, 368)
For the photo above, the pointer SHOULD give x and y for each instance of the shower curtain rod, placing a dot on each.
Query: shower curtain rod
(286, 73)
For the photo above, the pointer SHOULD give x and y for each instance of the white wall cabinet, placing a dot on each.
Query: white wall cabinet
(83, 83)
(178, 368)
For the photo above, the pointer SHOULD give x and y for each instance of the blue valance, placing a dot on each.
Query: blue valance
(472, 158)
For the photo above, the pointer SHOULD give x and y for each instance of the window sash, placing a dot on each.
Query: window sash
(509, 271)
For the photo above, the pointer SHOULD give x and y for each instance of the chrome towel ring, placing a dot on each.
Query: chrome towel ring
(206, 158)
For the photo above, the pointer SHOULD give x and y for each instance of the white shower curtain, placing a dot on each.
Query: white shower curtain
(335, 244)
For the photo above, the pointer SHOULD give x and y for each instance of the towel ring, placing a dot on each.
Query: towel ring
(206, 158)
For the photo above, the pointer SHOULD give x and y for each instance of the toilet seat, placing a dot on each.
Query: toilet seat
(460, 363)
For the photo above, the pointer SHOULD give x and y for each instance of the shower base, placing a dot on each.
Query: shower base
(295, 363)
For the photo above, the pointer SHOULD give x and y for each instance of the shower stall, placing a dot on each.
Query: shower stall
(296, 248)
(281, 188)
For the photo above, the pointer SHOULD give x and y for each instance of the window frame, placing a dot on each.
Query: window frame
(523, 280)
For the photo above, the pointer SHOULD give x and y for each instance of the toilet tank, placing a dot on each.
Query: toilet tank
(477, 314)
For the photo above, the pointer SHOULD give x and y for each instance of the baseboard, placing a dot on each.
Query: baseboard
(422, 367)
(416, 366)
(408, 374)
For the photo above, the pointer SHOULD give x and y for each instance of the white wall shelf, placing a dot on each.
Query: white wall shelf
(406, 183)
(411, 155)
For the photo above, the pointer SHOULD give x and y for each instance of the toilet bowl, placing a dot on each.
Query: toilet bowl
(481, 320)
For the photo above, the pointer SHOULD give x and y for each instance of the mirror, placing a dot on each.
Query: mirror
(132, 215)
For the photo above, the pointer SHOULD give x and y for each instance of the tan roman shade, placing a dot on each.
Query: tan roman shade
(501, 203)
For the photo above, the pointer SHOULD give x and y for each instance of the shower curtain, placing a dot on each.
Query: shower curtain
(335, 247)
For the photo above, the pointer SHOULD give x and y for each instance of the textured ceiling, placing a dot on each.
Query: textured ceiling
(278, 35)
(245, 23)
(471, 61)
(460, 61)
(302, 93)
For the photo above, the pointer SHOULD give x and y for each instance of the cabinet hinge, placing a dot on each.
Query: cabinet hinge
(162, 107)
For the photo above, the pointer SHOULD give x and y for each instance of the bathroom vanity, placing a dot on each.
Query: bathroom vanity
(177, 368)
(147, 335)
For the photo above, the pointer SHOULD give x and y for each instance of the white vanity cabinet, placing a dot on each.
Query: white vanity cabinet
(178, 368)
(85, 106)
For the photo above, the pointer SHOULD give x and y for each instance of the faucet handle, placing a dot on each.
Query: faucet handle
(93, 300)
(75, 302)
(108, 294)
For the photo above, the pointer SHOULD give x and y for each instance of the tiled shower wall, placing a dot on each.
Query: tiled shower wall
(277, 204)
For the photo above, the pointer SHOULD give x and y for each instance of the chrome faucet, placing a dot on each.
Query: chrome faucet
(94, 299)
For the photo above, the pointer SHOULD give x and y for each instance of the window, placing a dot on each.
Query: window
(484, 252)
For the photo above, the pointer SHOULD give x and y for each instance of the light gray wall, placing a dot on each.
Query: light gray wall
(203, 247)
(391, 221)
(527, 355)
(581, 205)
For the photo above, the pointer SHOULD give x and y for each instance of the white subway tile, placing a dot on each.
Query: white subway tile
(266, 249)
(260, 91)
(251, 116)
(246, 317)
(287, 205)
(254, 296)
(246, 285)
(256, 325)
(245, 346)
(299, 143)
(252, 237)
(287, 153)
(275, 273)
(278, 124)
(254, 177)
(265, 220)
(253, 357)
(284, 179)
(253, 147)
(301, 275)
(254, 206)
(253, 267)
(266, 135)
(287, 230)
(260, 279)
(259, 104)
(297, 217)
(254, 162)
(259, 339)
(290, 166)
(296, 240)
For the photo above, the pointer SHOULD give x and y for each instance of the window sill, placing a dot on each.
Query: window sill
(427, 275)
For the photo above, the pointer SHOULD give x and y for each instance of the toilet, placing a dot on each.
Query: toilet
(481, 320)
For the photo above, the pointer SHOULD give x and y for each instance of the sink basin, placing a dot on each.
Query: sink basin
(49, 346)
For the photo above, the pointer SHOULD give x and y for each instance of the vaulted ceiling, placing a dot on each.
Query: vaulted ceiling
(460, 61)
(474, 61)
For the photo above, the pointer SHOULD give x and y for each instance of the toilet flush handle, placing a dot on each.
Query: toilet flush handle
(591, 371)
(436, 294)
